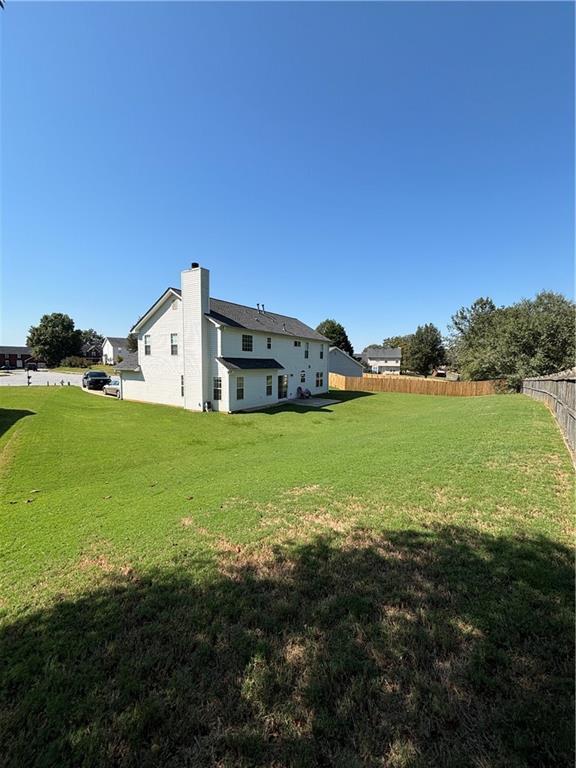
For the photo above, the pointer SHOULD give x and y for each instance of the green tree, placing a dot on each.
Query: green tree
(132, 342)
(55, 338)
(426, 349)
(337, 335)
(90, 336)
(530, 338)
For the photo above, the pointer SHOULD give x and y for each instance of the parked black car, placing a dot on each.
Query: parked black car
(95, 379)
(31, 366)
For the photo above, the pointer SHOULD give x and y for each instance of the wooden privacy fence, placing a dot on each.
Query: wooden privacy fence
(388, 383)
(558, 391)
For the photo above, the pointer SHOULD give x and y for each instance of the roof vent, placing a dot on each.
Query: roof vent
(195, 265)
(258, 305)
(263, 308)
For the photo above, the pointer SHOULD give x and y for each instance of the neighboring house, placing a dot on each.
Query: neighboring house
(383, 359)
(113, 348)
(342, 363)
(92, 352)
(202, 353)
(15, 357)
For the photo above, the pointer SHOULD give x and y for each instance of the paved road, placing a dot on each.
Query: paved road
(40, 379)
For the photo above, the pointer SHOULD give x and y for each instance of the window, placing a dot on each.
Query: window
(182, 386)
(147, 347)
(240, 388)
(321, 351)
(297, 343)
(247, 343)
(217, 394)
(319, 379)
(307, 350)
(173, 343)
(269, 342)
(268, 386)
(302, 377)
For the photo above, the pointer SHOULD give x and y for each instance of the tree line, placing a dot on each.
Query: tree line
(532, 337)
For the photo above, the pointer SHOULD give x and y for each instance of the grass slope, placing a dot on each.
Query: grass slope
(386, 582)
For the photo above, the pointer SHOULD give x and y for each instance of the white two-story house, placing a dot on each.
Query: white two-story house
(207, 354)
(383, 359)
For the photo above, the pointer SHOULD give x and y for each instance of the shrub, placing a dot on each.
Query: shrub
(75, 361)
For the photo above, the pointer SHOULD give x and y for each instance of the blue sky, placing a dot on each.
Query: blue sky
(379, 163)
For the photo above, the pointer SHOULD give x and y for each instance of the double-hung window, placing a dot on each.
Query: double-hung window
(247, 342)
(319, 379)
(217, 393)
(269, 342)
(147, 345)
(307, 350)
(268, 386)
(173, 343)
(321, 351)
(302, 377)
(240, 388)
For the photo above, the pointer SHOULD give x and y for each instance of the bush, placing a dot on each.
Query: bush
(75, 361)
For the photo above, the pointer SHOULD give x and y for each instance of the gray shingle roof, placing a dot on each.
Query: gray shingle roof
(129, 362)
(242, 316)
(15, 350)
(378, 353)
(117, 341)
(250, 363)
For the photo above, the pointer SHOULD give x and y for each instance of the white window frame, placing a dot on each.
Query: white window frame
(240, 386)
(147, 345)
(173, 345)
(247, 342)
(217, 388)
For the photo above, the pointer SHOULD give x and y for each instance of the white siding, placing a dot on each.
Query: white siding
(284, 352)
(200, 343)
(384, 366)
(159, 380)
(107, 353)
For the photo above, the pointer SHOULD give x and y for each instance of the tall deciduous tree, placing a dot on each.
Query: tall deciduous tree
(55, 338)
(426, 349)
(530, 338)
(337, 335)
(90, 336)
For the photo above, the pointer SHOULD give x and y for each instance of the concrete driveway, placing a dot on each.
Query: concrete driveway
(40, 379)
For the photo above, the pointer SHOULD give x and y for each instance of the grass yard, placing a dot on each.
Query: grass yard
(387, 582)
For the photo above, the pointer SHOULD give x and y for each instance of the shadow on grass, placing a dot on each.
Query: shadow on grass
(9, 417)
(302, 406)
(444, 648)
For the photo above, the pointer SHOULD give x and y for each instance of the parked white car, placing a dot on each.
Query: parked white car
(113, 388)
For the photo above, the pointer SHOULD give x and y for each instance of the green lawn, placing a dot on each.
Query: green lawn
(387, 582)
